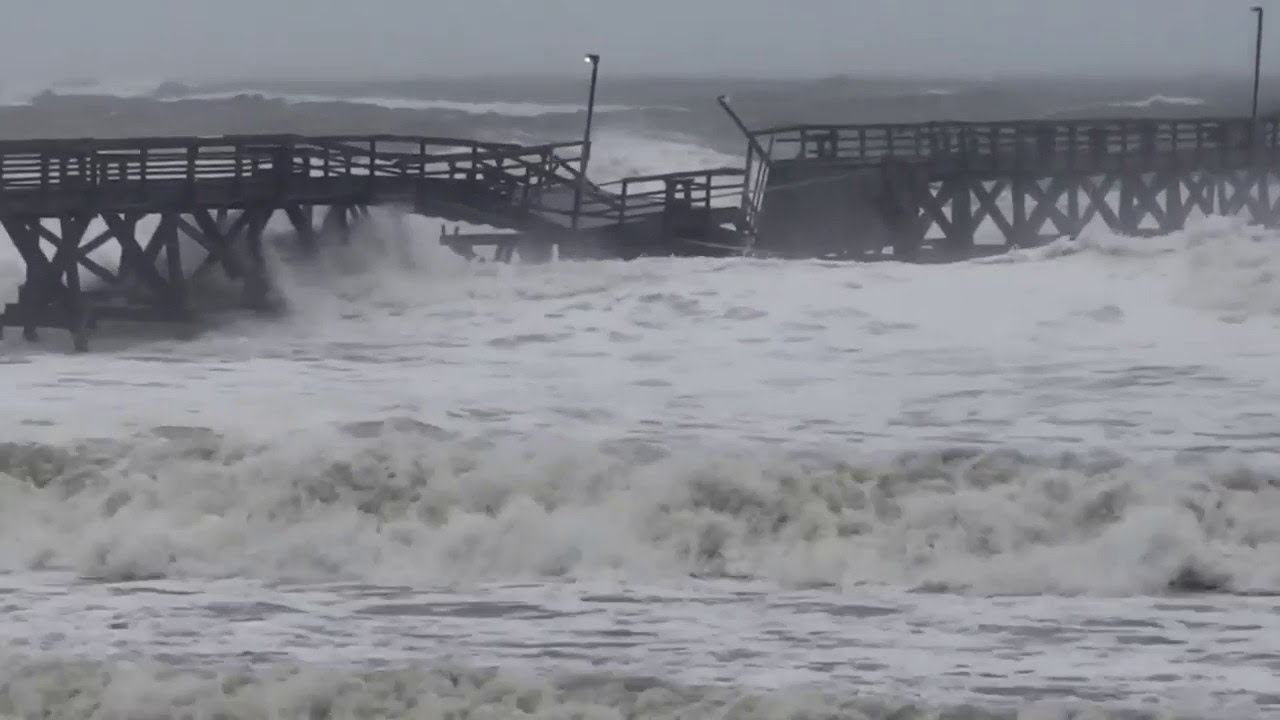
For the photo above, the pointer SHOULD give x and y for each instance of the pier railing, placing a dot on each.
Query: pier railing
(54, 176)
(1014, 145)
(84, 165)
(689, 191)
(524, 173)
(142, 170)
(755, 180)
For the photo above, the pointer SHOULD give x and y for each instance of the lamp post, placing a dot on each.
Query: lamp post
(594, 59)
(1257, 62)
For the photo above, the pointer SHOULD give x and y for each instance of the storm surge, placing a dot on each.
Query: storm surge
(398, 503)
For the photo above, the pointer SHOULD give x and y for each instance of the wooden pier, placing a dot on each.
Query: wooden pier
(909, 192)
(856, 191)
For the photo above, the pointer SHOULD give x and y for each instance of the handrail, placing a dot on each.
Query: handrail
(76, 146)
(486, 150)
(753, 201)
(80, 145)
(692, 191)
(204, 156)
(1018, 144)
(759, 159)
(1034, 123)
(414, 140)
(710, 172)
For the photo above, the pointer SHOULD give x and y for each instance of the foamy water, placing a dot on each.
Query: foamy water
(664, 488)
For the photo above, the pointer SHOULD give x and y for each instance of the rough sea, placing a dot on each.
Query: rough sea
(1040, 486)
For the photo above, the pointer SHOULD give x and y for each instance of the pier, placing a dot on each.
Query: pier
(914, 192)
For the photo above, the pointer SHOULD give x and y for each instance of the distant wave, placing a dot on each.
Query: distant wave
(168, 91)
(1159, 100)
(514, 109)
(1147, 103)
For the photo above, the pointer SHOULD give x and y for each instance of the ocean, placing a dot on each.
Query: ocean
(1039, 486)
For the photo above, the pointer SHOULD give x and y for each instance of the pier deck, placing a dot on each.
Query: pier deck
(922, 191)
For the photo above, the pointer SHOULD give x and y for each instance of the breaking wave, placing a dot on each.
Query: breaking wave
(1219, 264)
(394, 500)
(398, 501)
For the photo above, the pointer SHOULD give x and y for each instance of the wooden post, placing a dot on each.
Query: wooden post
(73, 229)
(301, 218)
(963, 221)
(1175, 209)
(1021, 227)
(175, 276)
(256, 285)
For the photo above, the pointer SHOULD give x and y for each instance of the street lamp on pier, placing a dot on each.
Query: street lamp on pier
(1257, 62)
(594, 59)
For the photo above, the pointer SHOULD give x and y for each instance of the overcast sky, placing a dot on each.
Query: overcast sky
(48, 39)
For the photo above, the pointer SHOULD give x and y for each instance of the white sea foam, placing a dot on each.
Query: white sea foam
(725, 642)
(855, 363)
(880, 355)
(403, 507)
(128, 691)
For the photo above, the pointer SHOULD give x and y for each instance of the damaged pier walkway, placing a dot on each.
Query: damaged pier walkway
(220, 192)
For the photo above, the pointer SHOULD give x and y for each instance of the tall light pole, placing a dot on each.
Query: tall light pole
(594, 59)
(1257, 62)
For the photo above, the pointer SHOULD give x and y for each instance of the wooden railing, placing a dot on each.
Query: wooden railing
(273, 163)
(46, 166)
(689, 191)
(755, 181)
(524, 172)
(278, 165)
(1198, 140)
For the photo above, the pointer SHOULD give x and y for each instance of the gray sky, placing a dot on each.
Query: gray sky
(42, 40)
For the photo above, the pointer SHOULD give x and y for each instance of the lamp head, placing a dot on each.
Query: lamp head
(592, 58)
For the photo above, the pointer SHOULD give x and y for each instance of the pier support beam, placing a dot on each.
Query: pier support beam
(149, 282)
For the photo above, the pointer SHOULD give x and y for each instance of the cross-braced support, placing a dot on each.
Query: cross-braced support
(1025, 212)
(148, 280)
(51, 295)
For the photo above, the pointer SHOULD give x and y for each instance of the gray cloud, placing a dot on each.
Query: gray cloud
(202, 39)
